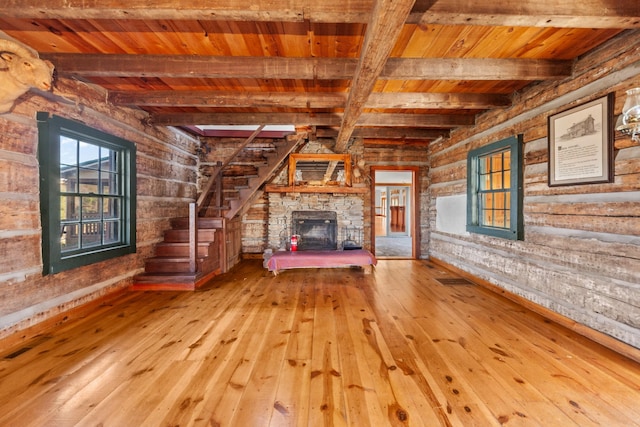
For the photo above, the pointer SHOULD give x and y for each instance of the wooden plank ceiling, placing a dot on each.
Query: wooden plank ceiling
(402, 70)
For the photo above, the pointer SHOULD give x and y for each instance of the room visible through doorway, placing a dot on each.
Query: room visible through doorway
(393, 207)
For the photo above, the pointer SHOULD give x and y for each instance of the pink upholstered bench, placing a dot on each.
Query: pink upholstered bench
(284, 260)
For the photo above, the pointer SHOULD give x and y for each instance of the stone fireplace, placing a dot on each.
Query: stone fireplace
(316, 230)
(347, 208)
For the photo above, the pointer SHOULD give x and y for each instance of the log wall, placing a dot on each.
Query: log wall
(167, 175)
(580, 256)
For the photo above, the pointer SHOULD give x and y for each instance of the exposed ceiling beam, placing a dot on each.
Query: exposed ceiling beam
(416, 120)
(300, 119)
(534, 13)
(386, 133)
(232, 10)
(181, 66)
(529, 13)
(403, 143)
(308, 100)
(387, 19)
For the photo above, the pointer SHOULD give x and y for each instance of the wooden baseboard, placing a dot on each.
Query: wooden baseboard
(599, 337)
(21, 336)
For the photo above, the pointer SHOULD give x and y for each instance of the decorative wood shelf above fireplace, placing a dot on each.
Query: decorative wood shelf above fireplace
(313, 189)
(318, 173)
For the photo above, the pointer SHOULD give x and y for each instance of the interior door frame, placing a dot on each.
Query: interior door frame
(415, 235)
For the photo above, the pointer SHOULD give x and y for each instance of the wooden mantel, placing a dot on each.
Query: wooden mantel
(329, 161)
(271, 188)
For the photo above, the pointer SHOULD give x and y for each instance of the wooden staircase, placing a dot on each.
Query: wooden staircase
(176, 264)
(239, 180)
(169, 269)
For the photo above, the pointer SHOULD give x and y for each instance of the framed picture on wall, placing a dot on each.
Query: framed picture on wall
(581, 144)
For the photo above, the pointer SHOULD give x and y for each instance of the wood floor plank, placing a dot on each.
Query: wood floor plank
(317, 347)
(223, 398)
(503, 338)
(437, 351)
(292, 396)
(258, 400)
(326, 402)
(369, 390)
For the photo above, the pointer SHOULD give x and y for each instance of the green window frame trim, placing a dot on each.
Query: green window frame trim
(514, 229)
(107, 228)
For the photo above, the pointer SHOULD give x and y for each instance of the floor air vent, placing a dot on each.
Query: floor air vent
(448, 281)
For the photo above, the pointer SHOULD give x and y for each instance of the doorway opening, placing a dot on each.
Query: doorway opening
(393, 207)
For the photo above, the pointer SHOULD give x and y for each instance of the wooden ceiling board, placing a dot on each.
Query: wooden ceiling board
(456, 41)
(450, 86)
(213, 38)
(192, 45)
(239, 85)
(564, 43)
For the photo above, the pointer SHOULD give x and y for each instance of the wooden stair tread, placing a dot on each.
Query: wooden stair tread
(172, 281)
(182, 235)
(174, 258)
(200, 243)
(204, 223)
(169, 268)
(175, 276)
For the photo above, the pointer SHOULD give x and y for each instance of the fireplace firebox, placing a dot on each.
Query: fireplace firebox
(317, 230)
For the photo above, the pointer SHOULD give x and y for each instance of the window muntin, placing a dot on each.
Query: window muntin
(494, 189)
(494, 192)
(88, 194)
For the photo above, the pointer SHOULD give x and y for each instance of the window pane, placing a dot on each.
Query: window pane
(90, 208)
(507, 160)
(487, 201)
(68, 151)
(507, 179)
(496, 180)
(487, 217)
(109, 183)
(498, 201)
(498, 218)
(69, 240)
(485, 182)
(88, 181)
(109, 160)
(69, 179)
(69, 208)
(111, 208)
(111, 232)
(91, 234)
(496, 162)
(484, 165)
(89, 155)
(507, 218)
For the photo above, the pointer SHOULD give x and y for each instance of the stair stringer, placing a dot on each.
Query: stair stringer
(264, 173)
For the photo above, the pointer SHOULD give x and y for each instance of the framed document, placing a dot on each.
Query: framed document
(581, 144)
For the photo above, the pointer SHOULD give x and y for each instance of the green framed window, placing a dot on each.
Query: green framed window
(494, 189)
(87, 194)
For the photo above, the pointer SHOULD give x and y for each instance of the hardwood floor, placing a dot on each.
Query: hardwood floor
(331, 347)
